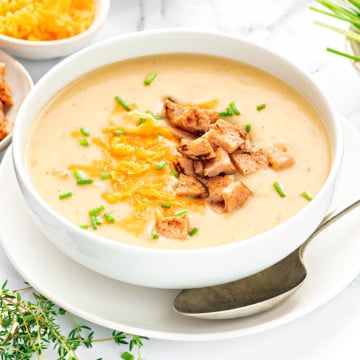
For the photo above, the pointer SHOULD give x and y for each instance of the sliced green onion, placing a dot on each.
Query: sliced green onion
(174, 173)
(349, 56)
(160, 165)
(154, 234)
(98, 219)
(193, 231)
(65, 195)
(149, 112)
(234, 108)
(227, 112)
(84, 181)
(261, 107)
(105, 176)
(79, 174)
(306, 195)
(84, 142)
(142, 120)
(122, 103)
(180, 212)
(97, 210)
(84, 226)
(109, 218)
(119, 132)
(93, 222)
(166, 206)
(247, 128)
(279, 189)
(84, 131)
(150, 78)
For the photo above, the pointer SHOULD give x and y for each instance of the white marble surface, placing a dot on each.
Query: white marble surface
(331, 331)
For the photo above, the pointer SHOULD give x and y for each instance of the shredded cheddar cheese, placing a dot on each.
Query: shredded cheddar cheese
(45, 19)
(131, 160)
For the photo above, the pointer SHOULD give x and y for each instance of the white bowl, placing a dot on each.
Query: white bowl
(174, 268)
(38, 50)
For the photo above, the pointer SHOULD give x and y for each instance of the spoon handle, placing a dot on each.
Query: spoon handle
(328, 221)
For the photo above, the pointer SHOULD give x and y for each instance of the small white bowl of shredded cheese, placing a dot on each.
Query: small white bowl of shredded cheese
(50, 28)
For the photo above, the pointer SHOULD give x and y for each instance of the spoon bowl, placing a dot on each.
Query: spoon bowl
(256, 293)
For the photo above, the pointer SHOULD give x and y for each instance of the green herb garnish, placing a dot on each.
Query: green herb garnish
(306, 195)
(261, 107)
(84, 142)
(160, 165)
(150, 78)
(193, 231)
(105, 176)
(122, 103)
(109, 218)
(154, 234)
(65, 195)
(279, 189)
(84, 131)
(234, 108)
(97, 210)
(174, 173)
(180, 212)
(84, 181)
(247, 128)
(347, 11)
(119, 132)
(32, 326)
(166, 206)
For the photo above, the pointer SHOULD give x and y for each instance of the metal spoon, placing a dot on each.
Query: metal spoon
(255, 293)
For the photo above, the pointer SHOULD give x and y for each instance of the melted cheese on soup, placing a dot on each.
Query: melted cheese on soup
(57, 149)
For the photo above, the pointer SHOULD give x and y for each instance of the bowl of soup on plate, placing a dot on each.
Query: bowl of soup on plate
(177, 159)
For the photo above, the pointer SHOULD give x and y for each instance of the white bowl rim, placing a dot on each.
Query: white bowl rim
(335, 165)
(100, 16)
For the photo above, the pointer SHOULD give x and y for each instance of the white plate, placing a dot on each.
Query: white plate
(332, 259)
(21, 83)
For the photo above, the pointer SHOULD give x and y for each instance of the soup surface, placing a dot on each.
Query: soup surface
(73, 134)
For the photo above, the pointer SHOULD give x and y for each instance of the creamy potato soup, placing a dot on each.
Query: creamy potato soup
(178, 151)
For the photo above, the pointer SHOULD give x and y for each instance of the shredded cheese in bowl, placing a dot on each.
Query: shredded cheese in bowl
(44, 20)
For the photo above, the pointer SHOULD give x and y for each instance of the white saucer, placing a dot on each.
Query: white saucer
(332, 259)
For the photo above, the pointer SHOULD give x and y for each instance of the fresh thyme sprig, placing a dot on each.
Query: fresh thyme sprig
(347, 11)
(28, 327)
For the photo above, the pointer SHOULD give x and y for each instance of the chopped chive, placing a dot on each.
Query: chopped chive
(122, 103)
(109, 218)
(166, 206)
(279, 189)
(119, 132)
(158, 137)
(105, 176)
(306, 195)
(97, 210)
(84, 181)
(227, 112)
(174, 173)
(154, 234)
(78, 174)
(247, 128)
(150, 78)
(234, 108)
(180, 212)
(261, 107)
(84, 142)
(65, 195)
(193, 231)
(84, 131)
(142, 120)
(84, 226)
(93, 222)
(160, 165)
(98, 219)
(149, 112)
